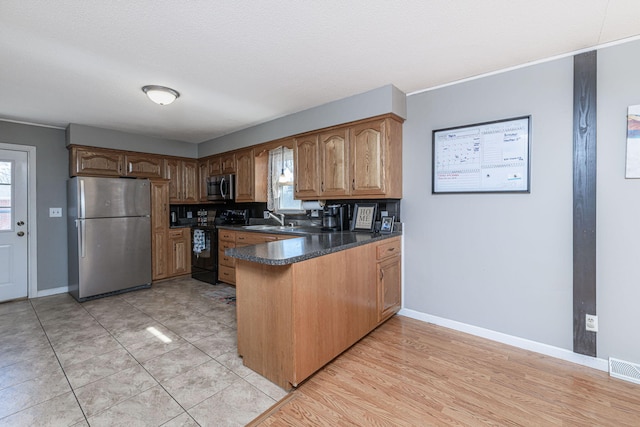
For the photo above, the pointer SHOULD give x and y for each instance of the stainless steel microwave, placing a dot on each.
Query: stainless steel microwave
(221, 188)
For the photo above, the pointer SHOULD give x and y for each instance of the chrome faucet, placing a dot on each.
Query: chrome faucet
(279, 218)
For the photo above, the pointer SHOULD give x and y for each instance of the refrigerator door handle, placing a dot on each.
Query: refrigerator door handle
(81, 207)
(81, 231)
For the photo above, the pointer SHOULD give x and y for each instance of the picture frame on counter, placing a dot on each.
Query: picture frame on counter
(386, 224)
(364, 216)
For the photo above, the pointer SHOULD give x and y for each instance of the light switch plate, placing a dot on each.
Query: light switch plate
(55, 212)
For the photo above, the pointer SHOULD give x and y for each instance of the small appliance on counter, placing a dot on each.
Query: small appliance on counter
(234, 216)
(335, 218)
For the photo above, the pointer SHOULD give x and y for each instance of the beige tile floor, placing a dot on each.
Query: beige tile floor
(165, 356)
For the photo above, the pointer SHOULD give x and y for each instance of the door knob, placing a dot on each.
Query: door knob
(20, 233)
(20, 222)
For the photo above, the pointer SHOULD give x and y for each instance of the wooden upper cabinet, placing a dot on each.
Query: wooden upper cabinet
(95, 162)
(143, 165)
(334, 163)
(367, 158)
(376, 158)
(245, 173)
(306, 176)
(215, 166)
(190, 180)
(358, 161)
(183, 180)
(203, 174)
(172, 173)
(228, 163)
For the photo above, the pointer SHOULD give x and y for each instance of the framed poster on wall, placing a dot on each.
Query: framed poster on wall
(489, 157)
(632, 169)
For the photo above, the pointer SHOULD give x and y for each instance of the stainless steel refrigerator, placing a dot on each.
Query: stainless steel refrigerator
(109, 228)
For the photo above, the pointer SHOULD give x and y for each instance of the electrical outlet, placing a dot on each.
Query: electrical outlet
(591, 322)
(55, 212)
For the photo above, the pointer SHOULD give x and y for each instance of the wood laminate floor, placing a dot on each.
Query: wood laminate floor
(411, 373)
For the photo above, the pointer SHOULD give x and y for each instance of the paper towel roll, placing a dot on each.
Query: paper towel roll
(312, 205)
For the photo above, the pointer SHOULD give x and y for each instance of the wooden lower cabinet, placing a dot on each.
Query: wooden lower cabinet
(294, 319)
(232, 239)
(179, 251)
(389, 272)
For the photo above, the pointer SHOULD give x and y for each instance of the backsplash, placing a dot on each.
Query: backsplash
(391, 206)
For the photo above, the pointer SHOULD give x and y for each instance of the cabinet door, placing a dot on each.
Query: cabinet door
(143, 166)
(215, 166)
(180, 257)
(160, 264)
(190, 180)
(203, 174)
(389, 280)
(159, 205)
(159, 229)
(244, 176)
(228, 163)
(367, 158)
(172, 173)
(95, 162)
(334, 163)
(307, 181)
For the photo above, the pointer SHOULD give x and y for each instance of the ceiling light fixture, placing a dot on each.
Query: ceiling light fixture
(160, 95)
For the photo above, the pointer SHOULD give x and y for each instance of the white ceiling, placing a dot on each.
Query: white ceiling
(238, 63)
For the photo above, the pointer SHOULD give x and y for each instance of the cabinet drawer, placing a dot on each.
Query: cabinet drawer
(388, 249)
(247, 239)
(176, 233)
(225, 245)
(227, 274)
(227, 235)
(226, 260)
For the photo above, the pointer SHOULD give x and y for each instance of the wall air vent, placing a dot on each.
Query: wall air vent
(624, 370)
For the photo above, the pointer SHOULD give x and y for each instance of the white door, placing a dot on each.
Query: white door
(13, 225)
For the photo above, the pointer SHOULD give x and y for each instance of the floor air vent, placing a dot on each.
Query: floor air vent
(624, 370)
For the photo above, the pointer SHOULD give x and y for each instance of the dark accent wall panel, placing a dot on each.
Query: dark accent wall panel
(584, 200)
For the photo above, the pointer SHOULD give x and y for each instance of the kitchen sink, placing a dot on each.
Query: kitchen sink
(260, 227)
(281, 228)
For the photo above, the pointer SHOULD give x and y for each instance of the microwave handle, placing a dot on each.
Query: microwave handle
(222, 188)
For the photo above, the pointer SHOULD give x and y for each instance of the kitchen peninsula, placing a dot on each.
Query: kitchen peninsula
(303, 301)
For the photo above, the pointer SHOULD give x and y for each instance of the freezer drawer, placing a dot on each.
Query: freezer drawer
(113, 254)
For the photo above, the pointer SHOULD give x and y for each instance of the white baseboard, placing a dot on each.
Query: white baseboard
(53, 291)
(548, 350)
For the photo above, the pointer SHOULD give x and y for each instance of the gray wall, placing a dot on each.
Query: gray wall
(107, 138)
(618, 209)
(52, 171)
(387, 99)
(504, 261)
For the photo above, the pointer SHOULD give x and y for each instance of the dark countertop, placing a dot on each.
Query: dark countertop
(307, 246)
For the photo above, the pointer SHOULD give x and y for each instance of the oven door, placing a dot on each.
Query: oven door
(204, 257)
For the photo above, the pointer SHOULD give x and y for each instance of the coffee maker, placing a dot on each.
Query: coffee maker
(335, 218)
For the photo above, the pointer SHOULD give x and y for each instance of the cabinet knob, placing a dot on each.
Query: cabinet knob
(353, 184)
